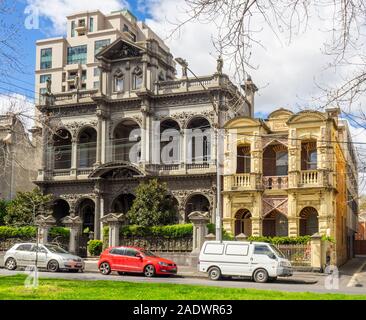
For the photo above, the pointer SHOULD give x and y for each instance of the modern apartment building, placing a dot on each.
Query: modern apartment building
(113, 110)
(292, 174)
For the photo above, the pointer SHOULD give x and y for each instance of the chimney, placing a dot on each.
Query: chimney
(250, 89)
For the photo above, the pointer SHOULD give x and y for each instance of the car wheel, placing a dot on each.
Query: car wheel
(214, 273)
(105, 268)
(11, 264)
(260, 276)
(53, 266)
(121, 273)
(149, 271)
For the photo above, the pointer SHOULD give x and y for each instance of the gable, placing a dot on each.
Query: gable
(120, 49)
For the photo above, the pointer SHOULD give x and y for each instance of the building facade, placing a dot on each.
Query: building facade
(19, 157)
(101, 140)
(291, 175)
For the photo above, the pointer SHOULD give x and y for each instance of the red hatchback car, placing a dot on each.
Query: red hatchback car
(136, 260)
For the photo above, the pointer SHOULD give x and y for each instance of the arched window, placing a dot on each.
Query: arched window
(62, 149)
(169, 142)
(87, 148)
(127, 136)
(243, 224)
(136, 78)
(275, 224)
(118, 85)
(199, 140)
(309, 223)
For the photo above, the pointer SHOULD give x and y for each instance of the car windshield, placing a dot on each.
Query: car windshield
(55, 249)
(147, 253)
(277, 251)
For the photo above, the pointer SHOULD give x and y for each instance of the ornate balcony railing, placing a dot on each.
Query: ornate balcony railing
(203, 165)
(85, 171)
(237, 181)
(275, 182)
(61, 172)
(163, 167)
(309, 177)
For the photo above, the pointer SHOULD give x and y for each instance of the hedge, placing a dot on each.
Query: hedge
(281, 240)
(95, 247)
(170, 231)
(30, 232)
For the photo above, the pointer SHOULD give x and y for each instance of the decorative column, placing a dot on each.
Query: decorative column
(113, 220)
(145, 59)
(100, 152)
(199, 220)
(74, 224)
(292, 215)
(144, 133)
(44, 223)
(74, 157)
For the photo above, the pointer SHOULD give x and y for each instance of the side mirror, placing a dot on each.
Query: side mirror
(138, 255)
(272, 256)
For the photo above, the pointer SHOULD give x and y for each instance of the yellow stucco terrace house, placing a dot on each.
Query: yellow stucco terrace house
(291, 175)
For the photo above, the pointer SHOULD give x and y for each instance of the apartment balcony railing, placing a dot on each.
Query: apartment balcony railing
(237, 181)
(275, 182)
(309, 178)
(60, 172)
(84, 171)
(163, 167)
(203, 165)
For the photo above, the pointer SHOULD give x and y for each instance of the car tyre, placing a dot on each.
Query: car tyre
(260, 276)
(53, 266)
(11, 264)
(214, 273)
(149, 271)
(105, 268)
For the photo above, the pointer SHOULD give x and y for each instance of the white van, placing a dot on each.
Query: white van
(259, 260)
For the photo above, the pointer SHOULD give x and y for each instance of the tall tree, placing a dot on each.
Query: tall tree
(152, 205)
(22, 210)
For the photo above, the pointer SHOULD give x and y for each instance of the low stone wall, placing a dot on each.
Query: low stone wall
(181, 258)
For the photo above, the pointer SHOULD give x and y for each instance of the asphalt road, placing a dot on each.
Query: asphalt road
(300, 282)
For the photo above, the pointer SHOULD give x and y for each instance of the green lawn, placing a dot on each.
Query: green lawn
(12, 287)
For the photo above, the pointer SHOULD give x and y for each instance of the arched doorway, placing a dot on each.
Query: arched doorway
(309, 223)
(173, 204)
(60, 210)
(199, 140)
(126, 142)
(243, 223)
(87, 148)
(86, 211)
(169, 142)
(62, 149)
(196, 202)
(122, 203)
(275, 224)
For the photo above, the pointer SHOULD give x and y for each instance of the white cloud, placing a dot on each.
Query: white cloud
(57, 10)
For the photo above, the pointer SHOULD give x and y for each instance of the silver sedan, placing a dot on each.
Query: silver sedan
(48, 256)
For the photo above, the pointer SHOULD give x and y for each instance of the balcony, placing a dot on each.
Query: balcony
(275, 182)
(309, 178)
(240, 181)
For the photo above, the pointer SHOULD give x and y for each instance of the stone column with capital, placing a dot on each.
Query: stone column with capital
(44, 223)
(74, 157)
(199, 220)
(74, 224)
(114, 221)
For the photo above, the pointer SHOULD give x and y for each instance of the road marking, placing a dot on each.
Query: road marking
(353, 280)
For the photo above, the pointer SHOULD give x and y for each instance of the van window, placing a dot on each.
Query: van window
(262, 249)
(213, 248)
(237, 249)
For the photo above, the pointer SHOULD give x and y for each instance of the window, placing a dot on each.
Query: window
(212, 248)
(100, 45)
(81, 22)
(281, 163)
(312, 160)
(131, 252)
(125, 28)
(83, 75)
(24, 247)
(96, 72)
(91, 24)
(262, 249)
(72, 28)
(96, 84)
(118, 84)
(137, 78)
(46, 58)
(44, 77)
(42, 91)
(118, 251)
(237, 250)
(77, 54)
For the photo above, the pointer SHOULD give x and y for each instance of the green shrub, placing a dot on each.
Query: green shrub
(59, 232)
(169, 231)
(225, 234)
(95, 247)
(30, 232)
(281, 240)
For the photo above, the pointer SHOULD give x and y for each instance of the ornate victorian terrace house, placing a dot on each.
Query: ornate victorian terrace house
(106, 109)
(292, 175)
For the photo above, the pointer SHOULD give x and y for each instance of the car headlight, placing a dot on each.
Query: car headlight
(285, 264)
(164, 264)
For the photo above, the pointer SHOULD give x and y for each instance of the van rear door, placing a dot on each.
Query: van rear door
(237, 260)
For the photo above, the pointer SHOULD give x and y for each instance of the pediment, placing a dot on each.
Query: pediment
(280, 113)
(120, 49)
(240, 122)
(307, 116)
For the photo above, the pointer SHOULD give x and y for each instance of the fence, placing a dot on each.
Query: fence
(160, 244)
(298, 254)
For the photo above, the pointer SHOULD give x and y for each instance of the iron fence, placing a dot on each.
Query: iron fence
(159, 243)
(298, 254)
